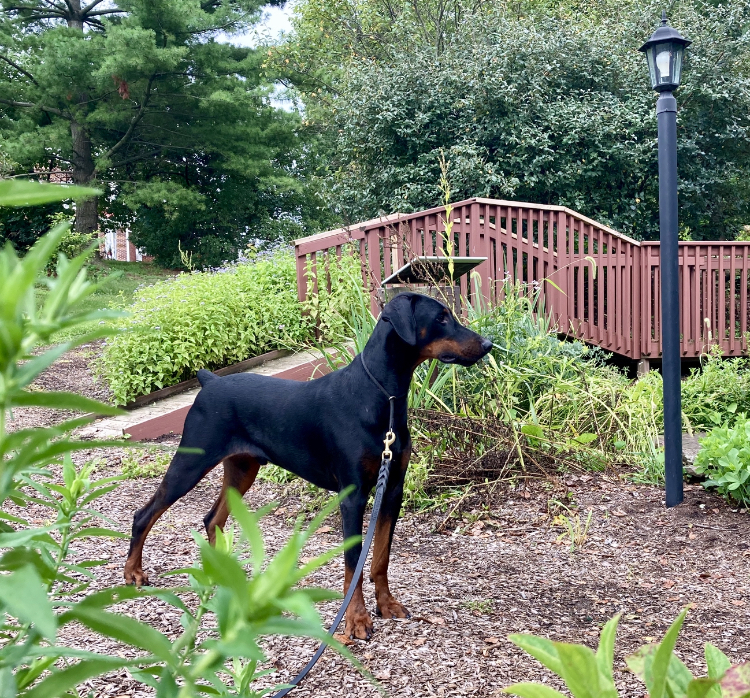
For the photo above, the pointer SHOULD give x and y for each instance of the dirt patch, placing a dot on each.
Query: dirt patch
(72, 373)
(497, 571)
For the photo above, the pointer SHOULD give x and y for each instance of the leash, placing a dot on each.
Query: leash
(385, 469)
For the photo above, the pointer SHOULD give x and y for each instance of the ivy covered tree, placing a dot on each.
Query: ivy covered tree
(539, 102)
(139, 96)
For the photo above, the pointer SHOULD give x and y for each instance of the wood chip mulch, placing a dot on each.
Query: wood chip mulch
(500, 569)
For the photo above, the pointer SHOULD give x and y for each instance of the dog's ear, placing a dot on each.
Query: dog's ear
(400, 313)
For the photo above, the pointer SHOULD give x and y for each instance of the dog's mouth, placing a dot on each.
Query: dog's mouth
(460, 360)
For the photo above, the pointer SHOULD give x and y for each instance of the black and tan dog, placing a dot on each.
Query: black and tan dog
(328, 431)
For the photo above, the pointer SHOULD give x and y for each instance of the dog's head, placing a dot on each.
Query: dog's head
(429, 326)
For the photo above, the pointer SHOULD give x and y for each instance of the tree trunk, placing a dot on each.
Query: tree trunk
(87, 211)
(87, 214)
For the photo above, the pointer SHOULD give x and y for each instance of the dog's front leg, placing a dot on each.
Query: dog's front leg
(387, 606)
(358, 621)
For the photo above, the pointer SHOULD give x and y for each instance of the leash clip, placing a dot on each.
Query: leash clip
(390, 437)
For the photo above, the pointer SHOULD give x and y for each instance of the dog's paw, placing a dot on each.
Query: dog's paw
(135, 575)
(388, 607)
(358, 624)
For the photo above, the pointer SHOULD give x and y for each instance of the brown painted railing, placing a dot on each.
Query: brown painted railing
(607, 283)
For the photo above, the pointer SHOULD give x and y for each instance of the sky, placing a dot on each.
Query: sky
(275, 21)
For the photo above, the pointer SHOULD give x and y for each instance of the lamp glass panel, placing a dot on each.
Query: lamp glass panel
(651, 66)
(664, 63)
(677, 68)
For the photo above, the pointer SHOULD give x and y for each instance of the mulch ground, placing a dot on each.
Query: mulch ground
(498, 569)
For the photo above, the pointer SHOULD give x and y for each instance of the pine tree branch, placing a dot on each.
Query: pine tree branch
(38, 14)
(136, 158)
(91, 6)
(134, 121)
(31, 105)
(19, 69)
(98, 13)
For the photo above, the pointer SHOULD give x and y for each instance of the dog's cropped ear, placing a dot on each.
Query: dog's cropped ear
(400, 313)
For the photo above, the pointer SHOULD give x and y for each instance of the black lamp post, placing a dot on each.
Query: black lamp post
(664, 51)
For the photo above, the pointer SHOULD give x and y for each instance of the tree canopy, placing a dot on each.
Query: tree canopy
(536, 102)
(141, 97)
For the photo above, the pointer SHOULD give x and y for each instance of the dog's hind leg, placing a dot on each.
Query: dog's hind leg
(185, 471)
(240, 471)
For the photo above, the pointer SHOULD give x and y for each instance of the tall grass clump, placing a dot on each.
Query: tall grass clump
(215, 318)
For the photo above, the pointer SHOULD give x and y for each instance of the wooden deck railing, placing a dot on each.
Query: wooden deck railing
(608, 283)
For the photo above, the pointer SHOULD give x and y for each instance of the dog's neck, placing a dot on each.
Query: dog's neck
(390, 360)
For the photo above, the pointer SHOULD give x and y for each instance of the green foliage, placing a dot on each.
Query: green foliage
(527, 106)
(724, 457)
(153, 463)
(153, 102)
(589, 674)
(213, 319)
(716, 392)
(41, 590)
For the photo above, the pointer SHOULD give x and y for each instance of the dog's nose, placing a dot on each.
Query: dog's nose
(486, 345)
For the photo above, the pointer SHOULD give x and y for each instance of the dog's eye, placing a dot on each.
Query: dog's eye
(443, 319)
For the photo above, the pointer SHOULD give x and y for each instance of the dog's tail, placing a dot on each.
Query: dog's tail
(205, 377)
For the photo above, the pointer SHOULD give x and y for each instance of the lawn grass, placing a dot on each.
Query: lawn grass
(117, 293)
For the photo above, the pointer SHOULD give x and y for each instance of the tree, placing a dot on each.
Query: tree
(547, 104)
(139, 96)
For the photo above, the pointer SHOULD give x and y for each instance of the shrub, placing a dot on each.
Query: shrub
(725, 458)
(213, 319)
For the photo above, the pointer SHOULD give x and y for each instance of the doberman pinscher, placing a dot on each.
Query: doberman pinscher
(328, 431)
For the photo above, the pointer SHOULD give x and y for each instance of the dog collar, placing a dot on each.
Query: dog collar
(375, 380)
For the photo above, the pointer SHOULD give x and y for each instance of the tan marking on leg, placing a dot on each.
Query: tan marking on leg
(358, 621)
(388, 607)
(240, 472)
(133, 571)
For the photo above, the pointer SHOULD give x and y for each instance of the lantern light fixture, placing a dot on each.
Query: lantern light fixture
(664, 51)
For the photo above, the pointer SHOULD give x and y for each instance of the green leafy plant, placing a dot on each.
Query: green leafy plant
(213, 319)
(42, 590)
(589, 674)
(724, 457)
(575, 530)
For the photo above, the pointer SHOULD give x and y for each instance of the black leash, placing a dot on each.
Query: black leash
(385, 469)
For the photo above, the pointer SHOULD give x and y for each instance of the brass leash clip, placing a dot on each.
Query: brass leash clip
(390, 437)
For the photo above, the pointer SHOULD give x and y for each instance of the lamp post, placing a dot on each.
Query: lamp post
(664, 51)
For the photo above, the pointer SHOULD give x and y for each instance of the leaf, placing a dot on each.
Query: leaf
(662, 659)
(24, 192)
(97, 531)
(63, 401)
(580, 669)
(585, 438)
(606, 652)
(24, 597)
(736, 681)
(716, 661)
(540, 648)
(533, 690)
(699, 688)
(62, 681)
(124, 629)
